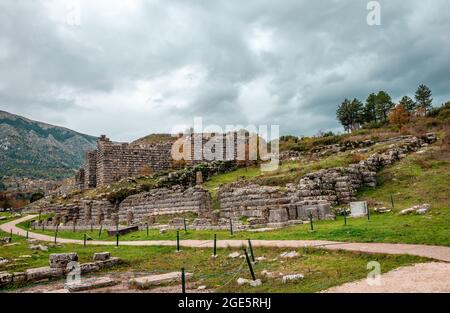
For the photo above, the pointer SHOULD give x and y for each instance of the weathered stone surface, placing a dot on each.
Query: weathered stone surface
(3, 261)
(41, 273)
(254, 283)
(293, 277)
(109, 262)
(91, 283)
(60, 260)
(19, 277)
(89, 268)
(123, 231)
(289, 255)
(5, 240)
(278, 215)
(156, 280)
(234, 255)
(38, 247)
(101, 256)
(5, 278)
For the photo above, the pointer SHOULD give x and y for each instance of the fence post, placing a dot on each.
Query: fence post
(345, 216)
(231, 227)
(117, 238)
(311, 221)
(84, 241)
(392, 201)
(92, 228)
(147, 229)
(10, 235)
(368, 211)
(249, 265)
(100, 231)
(178, 240)
(215, 245)
(185, 226)
(183, 281)
(251, 250)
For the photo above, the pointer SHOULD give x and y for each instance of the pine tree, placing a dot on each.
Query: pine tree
(408, 104)
(370, 113)
(350, 114)
(383, 105)
(423, 97)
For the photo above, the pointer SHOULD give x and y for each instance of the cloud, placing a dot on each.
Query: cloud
(136, 67)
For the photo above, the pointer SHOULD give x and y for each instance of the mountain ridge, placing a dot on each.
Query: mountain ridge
(35, 149)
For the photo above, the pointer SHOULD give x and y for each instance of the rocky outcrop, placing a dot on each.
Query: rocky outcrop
(339, 185)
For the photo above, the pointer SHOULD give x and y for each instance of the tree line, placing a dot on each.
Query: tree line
(379, 108)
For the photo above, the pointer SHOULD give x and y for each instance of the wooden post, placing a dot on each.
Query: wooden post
(100, 231)
(117, 238)
(147, 229)
(392, 201)
(345, 216)
(231, 227)
(215, 245)
(185, 226)
(84, 241)
(178, 241)
(368, 211)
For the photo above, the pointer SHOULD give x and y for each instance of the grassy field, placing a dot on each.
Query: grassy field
(322, 269)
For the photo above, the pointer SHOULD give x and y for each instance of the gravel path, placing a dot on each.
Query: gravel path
(434, 252)
(418, 278)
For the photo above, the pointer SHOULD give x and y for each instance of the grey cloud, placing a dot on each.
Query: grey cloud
(320, 53)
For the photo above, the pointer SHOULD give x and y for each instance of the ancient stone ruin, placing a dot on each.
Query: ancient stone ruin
(243, 204)
(111, 162)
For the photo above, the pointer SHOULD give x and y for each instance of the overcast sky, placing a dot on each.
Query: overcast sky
(130, 68)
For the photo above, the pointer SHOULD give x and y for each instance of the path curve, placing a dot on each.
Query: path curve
(417, 278)
(440, 253)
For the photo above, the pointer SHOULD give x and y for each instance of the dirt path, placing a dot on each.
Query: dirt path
(418, 278)
(434, 252)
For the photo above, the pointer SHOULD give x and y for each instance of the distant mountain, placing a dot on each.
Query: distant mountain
(38, 150)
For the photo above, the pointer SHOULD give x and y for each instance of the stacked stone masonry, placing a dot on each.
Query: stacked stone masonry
(145, 206)
(111, 162)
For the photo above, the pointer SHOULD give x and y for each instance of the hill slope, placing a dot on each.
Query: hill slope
(38, 150)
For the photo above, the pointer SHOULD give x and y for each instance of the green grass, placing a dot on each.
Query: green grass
(322, 269)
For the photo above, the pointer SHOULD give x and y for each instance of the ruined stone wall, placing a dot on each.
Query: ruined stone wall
(139, 208)
(117, 161)
(314, 193)
(90, 169)
(340, 185)
(267, 205)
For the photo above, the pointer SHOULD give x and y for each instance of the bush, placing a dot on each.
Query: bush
(36, 196)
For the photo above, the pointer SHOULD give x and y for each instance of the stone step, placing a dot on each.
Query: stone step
(146, 282)
(91, 283)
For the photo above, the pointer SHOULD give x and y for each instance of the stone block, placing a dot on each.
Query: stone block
(91, 283)
(5, 278)
(150, 281)
(278, 215)
(101, 256)
(41, 273)
(60, 260)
